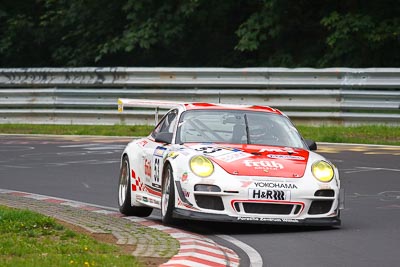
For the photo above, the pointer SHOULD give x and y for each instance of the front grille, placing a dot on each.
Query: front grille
(209, 202)
(267, 208)
(320, 207)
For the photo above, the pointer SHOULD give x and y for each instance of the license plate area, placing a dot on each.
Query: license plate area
(268, 194)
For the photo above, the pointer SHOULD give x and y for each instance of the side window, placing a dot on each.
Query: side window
(167, 124)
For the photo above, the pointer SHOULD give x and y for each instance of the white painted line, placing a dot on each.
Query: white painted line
(80, 145)
(64, 199)
(5, 191)
(135, 219)
(37, 197)
(106, 212)
(379, 169)
(73, 204)
(368, 169)
(160, 227)
(254, 256)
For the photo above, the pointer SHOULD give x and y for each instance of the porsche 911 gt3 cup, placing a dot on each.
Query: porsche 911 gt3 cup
(232, 163)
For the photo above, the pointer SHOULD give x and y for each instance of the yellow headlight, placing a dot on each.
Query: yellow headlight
(201, 166)
(323, 171)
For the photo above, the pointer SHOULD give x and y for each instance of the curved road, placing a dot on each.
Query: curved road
(86, 169)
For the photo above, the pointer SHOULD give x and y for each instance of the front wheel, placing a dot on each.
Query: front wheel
(168, 196)
(124, 193)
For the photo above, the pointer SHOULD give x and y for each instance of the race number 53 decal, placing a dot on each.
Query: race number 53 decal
(158, 156)
(156, 170)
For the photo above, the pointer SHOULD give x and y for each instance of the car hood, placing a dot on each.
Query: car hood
(256, 160)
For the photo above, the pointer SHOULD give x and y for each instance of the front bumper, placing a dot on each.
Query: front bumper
(193, 215)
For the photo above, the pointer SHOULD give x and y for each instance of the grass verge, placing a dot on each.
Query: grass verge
(104, 130)
(30, 239)
(371, 134)
(375, 134)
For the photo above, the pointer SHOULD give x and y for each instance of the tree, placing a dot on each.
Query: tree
(363, 34)
(230, 33)
(323, 33)
(21, 38)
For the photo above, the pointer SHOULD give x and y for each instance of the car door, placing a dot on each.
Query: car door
(156, 151)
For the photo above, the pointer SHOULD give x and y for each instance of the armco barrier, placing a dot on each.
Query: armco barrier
(89, 95)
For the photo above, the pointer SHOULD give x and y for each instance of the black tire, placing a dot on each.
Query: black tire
(124, 193)
(167, 196)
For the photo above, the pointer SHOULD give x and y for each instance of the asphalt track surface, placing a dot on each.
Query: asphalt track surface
(86, 169)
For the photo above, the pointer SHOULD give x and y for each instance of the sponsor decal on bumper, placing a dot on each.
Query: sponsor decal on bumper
(261, 219)
(193, 215)
(266, 194)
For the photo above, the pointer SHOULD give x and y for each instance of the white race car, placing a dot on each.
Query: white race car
(231, 163)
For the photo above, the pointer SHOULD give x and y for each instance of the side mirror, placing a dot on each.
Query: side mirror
(164, 137)
(311, 145)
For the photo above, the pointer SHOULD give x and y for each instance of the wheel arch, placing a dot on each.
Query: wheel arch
(165, 165)
(170, 163)
(176, 181)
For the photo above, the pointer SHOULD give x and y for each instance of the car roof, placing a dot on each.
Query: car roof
(211, 106)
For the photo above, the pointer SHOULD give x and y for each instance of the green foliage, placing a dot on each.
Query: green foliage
(257, 28)
(25, 223)
(149, 23)
(104, 130)
(367, 134)
(200, 33)
(376, 134)
(31, 239)
(363, 35)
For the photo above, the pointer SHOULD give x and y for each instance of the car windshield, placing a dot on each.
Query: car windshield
(237, 127)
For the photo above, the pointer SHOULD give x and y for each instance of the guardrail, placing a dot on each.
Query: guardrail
(89, 95)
